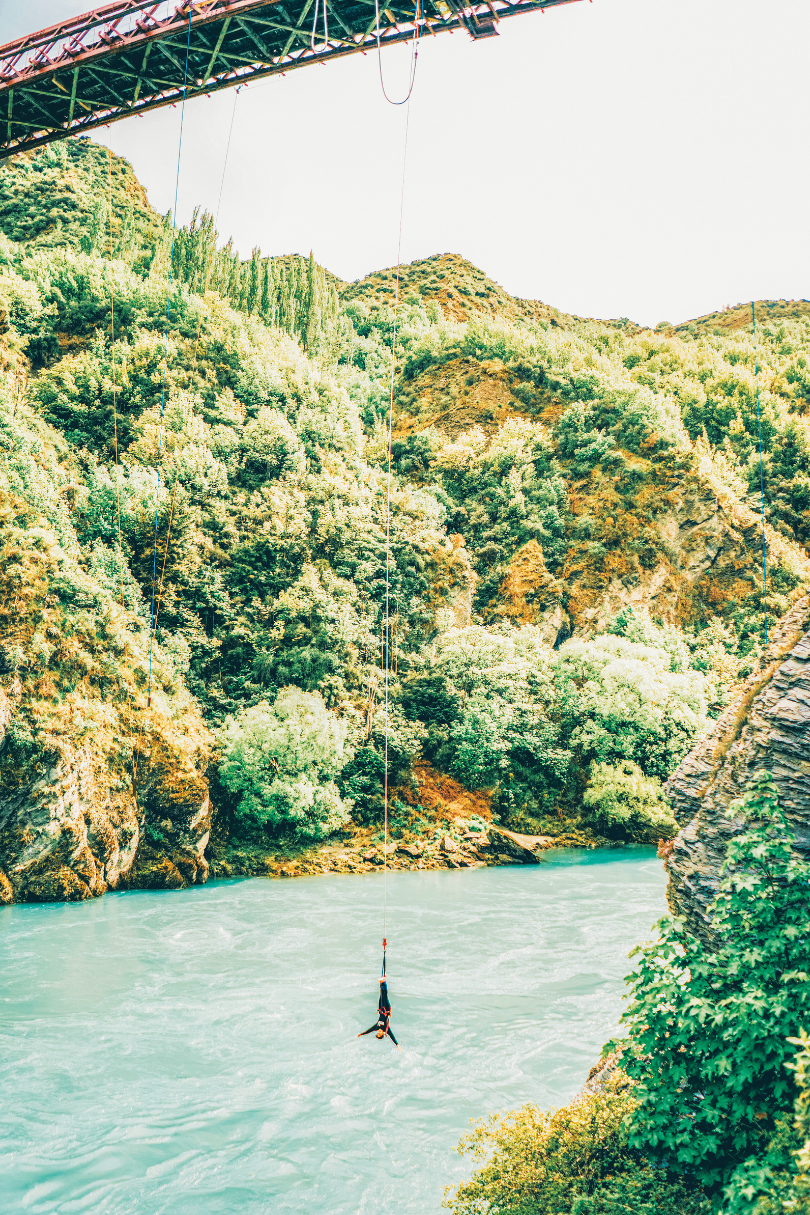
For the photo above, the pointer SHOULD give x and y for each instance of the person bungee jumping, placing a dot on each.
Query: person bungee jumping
(381, 1026)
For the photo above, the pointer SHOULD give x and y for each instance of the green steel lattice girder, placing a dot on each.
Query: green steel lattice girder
(123, 58)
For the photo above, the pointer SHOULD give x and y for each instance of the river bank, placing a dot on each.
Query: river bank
(463, 845)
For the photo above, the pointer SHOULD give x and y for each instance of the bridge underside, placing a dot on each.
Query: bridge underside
(123, 59)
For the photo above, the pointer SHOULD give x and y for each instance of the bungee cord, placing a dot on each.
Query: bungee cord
(112, 372)
(387, 624)
(166, 355)
(318, 50)
(417, 29)
(194, 360)
(761, 475)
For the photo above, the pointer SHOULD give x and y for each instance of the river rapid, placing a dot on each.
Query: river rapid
(194, 1052)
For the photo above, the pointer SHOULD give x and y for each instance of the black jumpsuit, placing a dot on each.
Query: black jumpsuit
(383, 1015)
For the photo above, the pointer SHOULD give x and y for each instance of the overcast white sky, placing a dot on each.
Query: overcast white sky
(641, 158)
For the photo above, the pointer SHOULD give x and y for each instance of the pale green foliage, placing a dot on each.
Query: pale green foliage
(477, 658)
(21, 300)
(515, 715)
(622, 699)
(31, 456)
(280, 761)
(623, 801)
(570, 1161)
(637, 625)
(182, 442)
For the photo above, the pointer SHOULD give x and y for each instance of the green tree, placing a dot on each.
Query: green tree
(280, 761)
(622, 801)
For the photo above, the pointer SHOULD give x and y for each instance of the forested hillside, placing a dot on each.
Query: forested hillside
(575, 575)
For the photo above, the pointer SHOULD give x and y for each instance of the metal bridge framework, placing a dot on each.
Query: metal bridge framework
(123, 59)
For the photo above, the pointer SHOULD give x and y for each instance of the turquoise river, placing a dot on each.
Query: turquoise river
(195, 1052)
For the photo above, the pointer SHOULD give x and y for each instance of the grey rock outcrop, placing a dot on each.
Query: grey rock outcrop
(766, 729)
(64, 838)
(706, 541)
(58, 840)
(515, 846)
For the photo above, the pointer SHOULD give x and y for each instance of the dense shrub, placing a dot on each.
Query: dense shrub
(507, 713)
(281, 760)
(571, 1161)
(620, 699)
(620, 801)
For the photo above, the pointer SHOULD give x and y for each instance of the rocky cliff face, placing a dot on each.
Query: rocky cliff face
(58, 842)
(71, 834)
(766, 729)
(99, 788)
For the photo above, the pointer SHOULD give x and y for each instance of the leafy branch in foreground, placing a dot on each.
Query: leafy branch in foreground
(711, 1019)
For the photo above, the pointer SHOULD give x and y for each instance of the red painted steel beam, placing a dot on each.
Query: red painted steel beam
(66, 79)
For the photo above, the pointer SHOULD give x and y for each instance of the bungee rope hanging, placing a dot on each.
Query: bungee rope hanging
(136, 748)
(318, 50)
(761, 475)
(417, 32)
(112, 372)
(166, 356)
(194, 360)
(386, 632)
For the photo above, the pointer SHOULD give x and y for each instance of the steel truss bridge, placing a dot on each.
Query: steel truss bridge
(125, 58)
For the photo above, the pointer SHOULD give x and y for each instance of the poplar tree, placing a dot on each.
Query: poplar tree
(267, 306)
(253, 281)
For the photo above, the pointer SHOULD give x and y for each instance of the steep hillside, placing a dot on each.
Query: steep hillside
(574, 584)
(66, 195)
(646, 450)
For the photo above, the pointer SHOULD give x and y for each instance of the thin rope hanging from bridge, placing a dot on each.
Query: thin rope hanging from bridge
(112, 357)
(387, 623)
(318, 50)
(194, 360)
(166, 355)
(761, 475)
(417, 30)
(137, 746)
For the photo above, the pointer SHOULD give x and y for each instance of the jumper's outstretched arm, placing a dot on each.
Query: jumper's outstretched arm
(369, 1031)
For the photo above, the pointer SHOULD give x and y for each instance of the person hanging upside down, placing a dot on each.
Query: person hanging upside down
(381, 1027)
